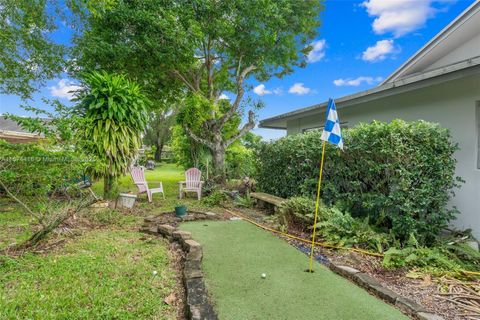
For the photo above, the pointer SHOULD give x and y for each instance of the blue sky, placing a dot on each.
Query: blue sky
(359, 44)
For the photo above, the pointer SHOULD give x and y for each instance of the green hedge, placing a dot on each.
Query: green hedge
(400, 175)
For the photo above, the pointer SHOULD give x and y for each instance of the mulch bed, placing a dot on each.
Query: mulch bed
(450, 298)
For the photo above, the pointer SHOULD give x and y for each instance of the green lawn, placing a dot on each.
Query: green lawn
(103, 274)
(169, 174)
(104, 270)
(236, 253)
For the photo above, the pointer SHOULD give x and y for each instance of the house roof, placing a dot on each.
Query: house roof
(12, 132)
(464, 26)
(424, 68)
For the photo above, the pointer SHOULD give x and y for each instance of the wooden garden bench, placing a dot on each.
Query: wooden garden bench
(267, 201)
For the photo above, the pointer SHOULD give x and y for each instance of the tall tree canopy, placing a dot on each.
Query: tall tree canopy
(28, 55)
(202, 48)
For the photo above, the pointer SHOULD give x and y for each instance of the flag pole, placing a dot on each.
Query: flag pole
(317, 205)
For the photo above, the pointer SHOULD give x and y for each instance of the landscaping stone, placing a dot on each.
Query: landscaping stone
(386, 294)
(196, 291)
(194, 256)
(151, 219)
(191, 273)
(428, 316)
(210, 214)
(192, 264)
(202, 312)
(149, 229)
(408, 306)
(345, 271)
(165, 229)
(181, 235)
(366, 281)
(192, 245)
(188, 218)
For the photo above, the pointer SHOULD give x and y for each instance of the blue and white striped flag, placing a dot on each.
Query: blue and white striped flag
(331, 131)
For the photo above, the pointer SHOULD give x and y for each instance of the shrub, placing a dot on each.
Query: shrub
(216, 198)
(44, 180)
(333, 226)
(399, 175)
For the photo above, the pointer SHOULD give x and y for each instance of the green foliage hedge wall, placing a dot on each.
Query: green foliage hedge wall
(400, 174)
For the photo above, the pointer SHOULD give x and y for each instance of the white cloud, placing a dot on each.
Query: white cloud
(400, 16)
(379, 51)
(261, 90)
(356, 81)
(299, 88)
(64, 89)
(318, 51)
(223, 96)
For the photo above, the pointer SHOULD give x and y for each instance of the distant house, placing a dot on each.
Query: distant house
(14, 133)
(439, 83)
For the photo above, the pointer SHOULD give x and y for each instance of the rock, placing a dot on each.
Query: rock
(165, 229)
(192, 245)
(386, 294)
(345, 271)
(366, 281)
(149, 229)
(194, 256)
(151, 219)
(180, 234)
(193, 264)
(210, 214)
(428, 316)
(202, 312)
(196, 291)
(408, 306)
(191, 273)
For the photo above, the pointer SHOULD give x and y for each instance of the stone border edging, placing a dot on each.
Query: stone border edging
(362, 279)
(197, 303)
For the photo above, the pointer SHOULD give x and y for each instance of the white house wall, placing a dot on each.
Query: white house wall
(453, 105)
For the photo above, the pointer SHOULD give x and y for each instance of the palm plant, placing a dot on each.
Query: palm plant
(114, 112)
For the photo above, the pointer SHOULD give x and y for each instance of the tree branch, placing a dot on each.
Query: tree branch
(20, 202)
(246, 128)
(180, 76)
(240, 92)
(198, 139)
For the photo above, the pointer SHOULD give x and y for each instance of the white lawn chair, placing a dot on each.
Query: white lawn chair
(138, 176)
(192, 183)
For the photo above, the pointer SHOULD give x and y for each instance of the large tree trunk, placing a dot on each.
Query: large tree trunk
(158, 152)
(218, 157)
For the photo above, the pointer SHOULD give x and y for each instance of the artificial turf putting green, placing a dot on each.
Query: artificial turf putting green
(236, 253)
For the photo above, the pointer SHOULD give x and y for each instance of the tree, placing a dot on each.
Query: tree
(208, 46)
(232, 41)
(159, 130)
(28, 55)
(105, 44)
(114, 111)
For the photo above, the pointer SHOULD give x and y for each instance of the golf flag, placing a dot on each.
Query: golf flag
(332, 132)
